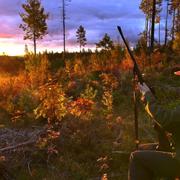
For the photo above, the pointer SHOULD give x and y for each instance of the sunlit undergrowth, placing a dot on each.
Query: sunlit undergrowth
(86, 107)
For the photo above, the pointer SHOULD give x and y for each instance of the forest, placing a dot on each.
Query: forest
(70, 115)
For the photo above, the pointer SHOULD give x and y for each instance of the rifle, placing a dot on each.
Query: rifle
(164, 143)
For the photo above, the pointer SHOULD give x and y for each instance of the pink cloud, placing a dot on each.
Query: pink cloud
(3, 35)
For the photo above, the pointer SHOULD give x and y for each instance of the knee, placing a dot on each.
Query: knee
(133, 165)
(134, 157)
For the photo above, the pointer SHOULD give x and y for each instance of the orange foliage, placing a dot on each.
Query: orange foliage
(127, 64)
(109, 80)
(81, 107)
(13, 85)
(53, 134)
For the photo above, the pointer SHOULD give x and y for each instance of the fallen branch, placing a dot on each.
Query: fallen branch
(32, 140)
(17, 146)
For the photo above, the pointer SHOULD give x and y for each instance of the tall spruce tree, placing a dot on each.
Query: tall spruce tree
(34, 21)
(81, 36)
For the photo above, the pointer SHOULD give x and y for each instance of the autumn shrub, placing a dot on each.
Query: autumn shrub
(12, 85)
(126, 63)
(37, 69)
(83, 134)
(27, 100)
(100, 61)
(86, 142)
(82, 108)
(17, 92)
(109, 81)
(79, 69)
(86, 109)
(68, 68)
(11, 88)
(107, 101)
(53, 103)
(89, 93)
(24, 106)
(75, 87)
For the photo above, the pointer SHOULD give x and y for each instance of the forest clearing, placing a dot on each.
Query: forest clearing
(71, 115)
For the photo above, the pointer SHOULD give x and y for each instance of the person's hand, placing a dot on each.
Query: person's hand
(143, 88)
(177, 73)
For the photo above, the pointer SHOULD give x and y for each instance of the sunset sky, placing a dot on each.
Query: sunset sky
(98, 18)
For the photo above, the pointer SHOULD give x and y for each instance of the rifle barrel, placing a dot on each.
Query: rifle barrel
(140, 78)
(163, 140)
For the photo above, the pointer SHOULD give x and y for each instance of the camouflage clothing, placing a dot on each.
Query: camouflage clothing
(169, 119)
(147, 164)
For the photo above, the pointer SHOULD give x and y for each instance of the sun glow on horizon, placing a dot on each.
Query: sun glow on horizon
(11, 48)
(18, 49)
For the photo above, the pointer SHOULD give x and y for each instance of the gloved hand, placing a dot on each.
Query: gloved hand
(143, 88)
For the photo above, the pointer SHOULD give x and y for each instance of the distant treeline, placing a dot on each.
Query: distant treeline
(15, 64)
(11, 64)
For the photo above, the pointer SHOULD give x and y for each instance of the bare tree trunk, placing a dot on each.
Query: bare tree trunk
(178, 20)
(153, 25)
(149, 33)
(34, 41)
(146, 30)
(166, 24)
(80, 48)
(159, 32)
(64, 28)
(173, 25)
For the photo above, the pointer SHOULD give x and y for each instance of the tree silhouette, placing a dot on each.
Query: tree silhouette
(147, 8)
(64, 4)
(34, 21)
(81, 36)
(166, 23)
(106, 43)
(153, 24)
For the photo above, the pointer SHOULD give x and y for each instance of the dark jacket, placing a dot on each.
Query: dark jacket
(169, 119)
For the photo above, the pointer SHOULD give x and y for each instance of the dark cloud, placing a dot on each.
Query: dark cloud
(9, 7)
(98, 18)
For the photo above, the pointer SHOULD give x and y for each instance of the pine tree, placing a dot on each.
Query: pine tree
(81, 36)
(34, 21)
(106, 43)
